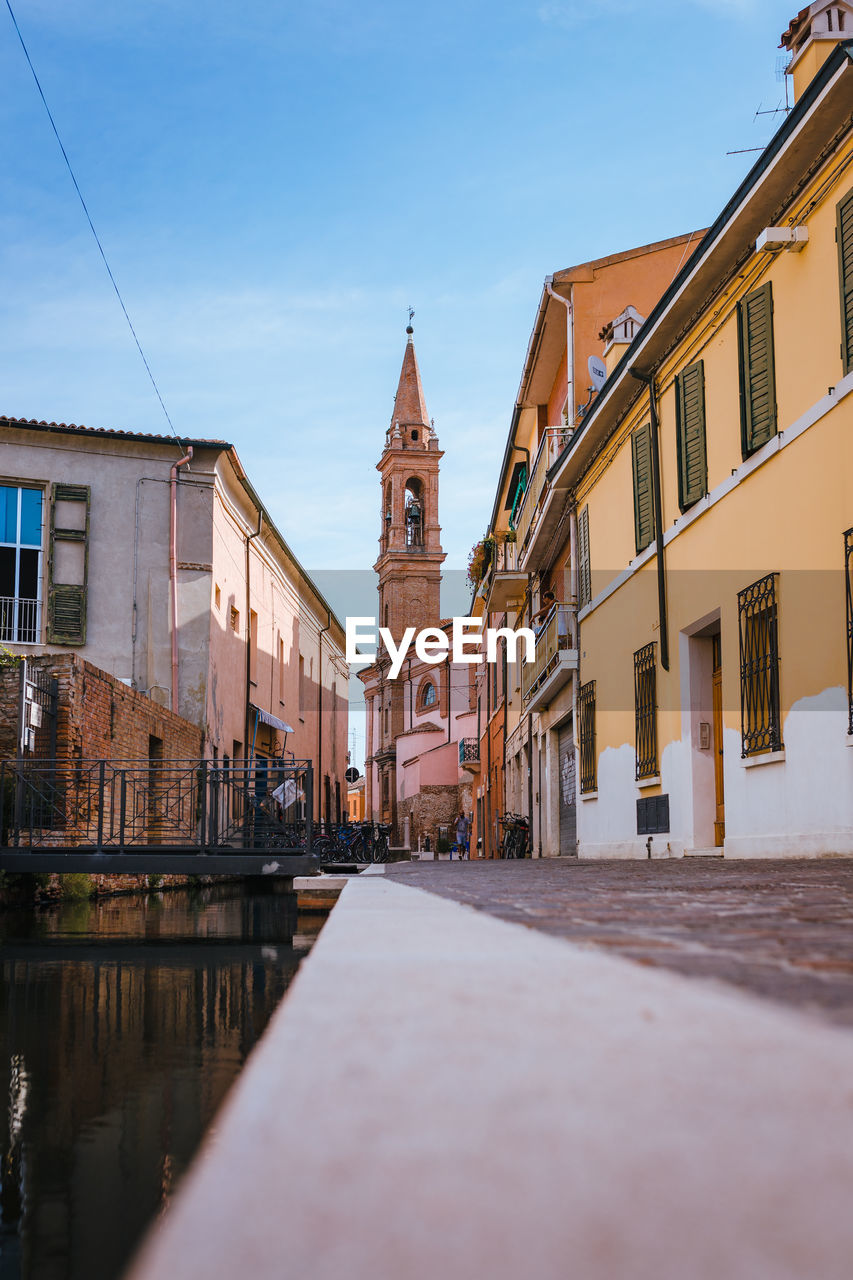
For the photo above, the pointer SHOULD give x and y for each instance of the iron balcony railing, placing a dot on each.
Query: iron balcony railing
(645, 712)
(758, 619)
(181, 805)
(20, 620)
(848, 589)
(469, 751)
(551, 446)
(555, 636)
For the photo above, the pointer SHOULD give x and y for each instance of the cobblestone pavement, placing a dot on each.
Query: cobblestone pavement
(783, 930)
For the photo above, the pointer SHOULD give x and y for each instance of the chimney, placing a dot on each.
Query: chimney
(811, 37)
(618, 335)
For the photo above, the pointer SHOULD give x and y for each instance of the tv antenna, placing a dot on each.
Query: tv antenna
(781, 74)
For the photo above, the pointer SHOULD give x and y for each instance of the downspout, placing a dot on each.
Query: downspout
(250, 537)
(575, 636)
(649, 380)
(568, 303)
(488, 797)
(173, 565)
(320, 635)
(529, 605)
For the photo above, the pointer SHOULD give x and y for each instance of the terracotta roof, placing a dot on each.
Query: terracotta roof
(409, 403)
(793, 31)
(72, 428)
(428, 726)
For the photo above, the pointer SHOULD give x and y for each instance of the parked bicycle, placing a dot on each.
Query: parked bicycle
(361, 843)
(516, 837)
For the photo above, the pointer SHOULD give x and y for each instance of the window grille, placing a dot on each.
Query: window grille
(586, 718)
(759, 668)
(645, 711)
(848, 580)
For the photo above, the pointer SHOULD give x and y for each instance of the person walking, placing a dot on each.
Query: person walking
(462, 829)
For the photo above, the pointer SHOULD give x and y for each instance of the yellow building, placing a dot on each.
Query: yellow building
(711, 485)
(526, 713)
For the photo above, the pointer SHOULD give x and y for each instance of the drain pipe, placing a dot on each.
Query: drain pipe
(568, 303)
(250, 537)
(173, 565)
(320, 635)
(649, 380)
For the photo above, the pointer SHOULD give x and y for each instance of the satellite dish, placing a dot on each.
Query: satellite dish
(597, 372)
(352, 774)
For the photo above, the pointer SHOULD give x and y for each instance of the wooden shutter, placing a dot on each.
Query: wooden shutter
(584, 573)
(641, 460)
(66, 601)
(757, 373)
(844, 236)
(690, 433)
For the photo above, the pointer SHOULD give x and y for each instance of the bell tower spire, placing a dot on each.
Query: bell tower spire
(410, 554)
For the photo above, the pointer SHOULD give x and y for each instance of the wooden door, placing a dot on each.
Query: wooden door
(717, 684)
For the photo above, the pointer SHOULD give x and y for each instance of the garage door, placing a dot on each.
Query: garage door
(568, 790)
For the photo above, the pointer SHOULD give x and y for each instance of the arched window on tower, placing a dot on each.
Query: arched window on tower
(387, 514)
(414, 513)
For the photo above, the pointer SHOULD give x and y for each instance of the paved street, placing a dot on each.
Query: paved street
(783, 930)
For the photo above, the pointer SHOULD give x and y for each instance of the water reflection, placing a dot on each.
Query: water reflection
(122, 1024)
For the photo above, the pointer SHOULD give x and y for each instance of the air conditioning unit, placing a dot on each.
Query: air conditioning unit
(773, 239)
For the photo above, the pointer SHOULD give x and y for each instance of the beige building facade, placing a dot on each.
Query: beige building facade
(167, 571)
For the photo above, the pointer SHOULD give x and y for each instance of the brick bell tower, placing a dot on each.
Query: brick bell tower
(410, 554)
(409, 569)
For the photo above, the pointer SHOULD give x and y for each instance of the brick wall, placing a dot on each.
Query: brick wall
(99, 717)
(433, 807)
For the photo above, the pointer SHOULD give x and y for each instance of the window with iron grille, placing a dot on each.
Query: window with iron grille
(761, 728)
(586, 718)
(848, 580)
(645, 711)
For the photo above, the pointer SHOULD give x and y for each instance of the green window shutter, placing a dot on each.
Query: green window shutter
(66, 601)
(690, 433)
(641, 461)
(757, 372)
(844, 236)
(584, 572)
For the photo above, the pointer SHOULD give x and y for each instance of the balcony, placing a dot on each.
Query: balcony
(556, 658)
(551, 446)
(505, 584)
(469, 754)
(20, 620)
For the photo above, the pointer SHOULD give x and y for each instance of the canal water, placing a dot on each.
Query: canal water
(123, 1022)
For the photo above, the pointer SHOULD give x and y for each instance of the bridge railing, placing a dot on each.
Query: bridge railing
(252, 805)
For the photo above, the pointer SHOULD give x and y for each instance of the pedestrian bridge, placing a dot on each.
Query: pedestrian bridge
(184, 817)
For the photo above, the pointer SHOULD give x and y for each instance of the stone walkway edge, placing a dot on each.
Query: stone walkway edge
(444, 1094)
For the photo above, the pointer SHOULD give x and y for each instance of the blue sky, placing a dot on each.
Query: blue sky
(275, 183)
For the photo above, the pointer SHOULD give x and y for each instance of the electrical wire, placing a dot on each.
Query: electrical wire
(91, 224)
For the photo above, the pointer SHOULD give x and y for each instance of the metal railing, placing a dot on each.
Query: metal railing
(645, 711)
(469, 751)
(188, 805)
(586, 736)
(556, 635)
(551, 446)
(761, 725)
(848, 592)
(20, 620)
